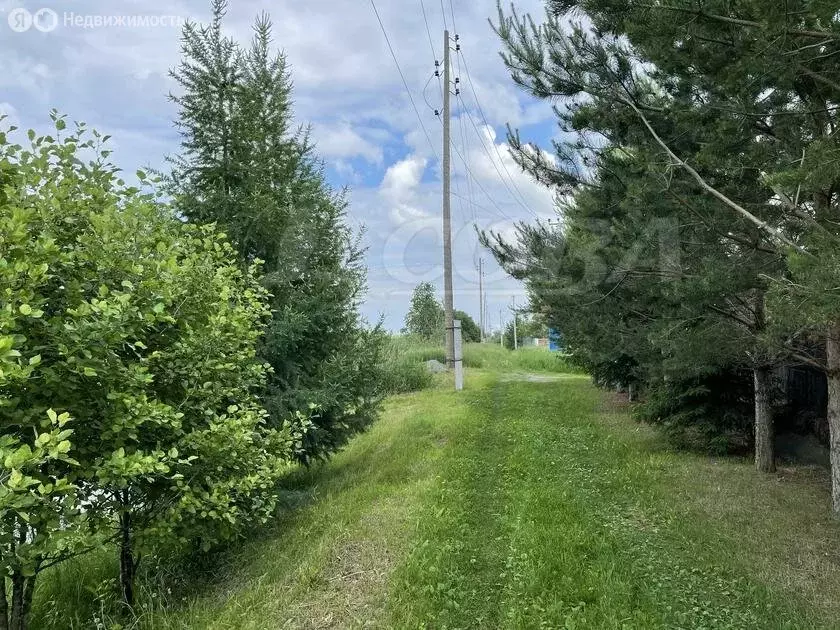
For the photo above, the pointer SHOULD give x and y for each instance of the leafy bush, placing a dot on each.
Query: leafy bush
(470, 331)
(128, 370)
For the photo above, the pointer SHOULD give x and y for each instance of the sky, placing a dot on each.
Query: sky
(91, 60)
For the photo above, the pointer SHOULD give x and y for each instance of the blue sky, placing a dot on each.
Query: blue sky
(347, 86)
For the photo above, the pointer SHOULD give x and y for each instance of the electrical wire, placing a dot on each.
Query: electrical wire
(428, 30)
(478, 205)
(452, 9)
(521, 198)
(460, 55)
(493, 162)
(480, 185)
(425, 98)
(464, 135)
(405, 83)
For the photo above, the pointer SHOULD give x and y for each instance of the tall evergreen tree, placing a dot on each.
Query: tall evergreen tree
(245, 167)
(728, 90)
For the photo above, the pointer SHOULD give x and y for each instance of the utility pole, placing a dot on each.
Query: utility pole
(515, 340)
(481, 295)
(502, 329)
(486, 312)
(447, 219)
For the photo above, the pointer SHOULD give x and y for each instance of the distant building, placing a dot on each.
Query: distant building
(540, 342)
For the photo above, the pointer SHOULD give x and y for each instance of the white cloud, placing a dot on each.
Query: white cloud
(341, 140)
(399, 190)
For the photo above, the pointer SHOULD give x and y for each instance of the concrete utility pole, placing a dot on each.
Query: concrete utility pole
(447, 219)
(515, 340)
(481, 295)
(502, 328)
(459, 356)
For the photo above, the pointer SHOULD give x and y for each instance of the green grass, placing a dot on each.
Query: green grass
(532, 359)
(480, 355)
(521, 502)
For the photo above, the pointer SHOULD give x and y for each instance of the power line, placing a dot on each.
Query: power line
(443, 13)
(405, 83)
(478, 182)
(478, 205)
(460, 199)
(487, 124)
(459, 51)
(493, 162)
(461, 126)
(452, 9)
(425, 98)
(464, 147)
(428, 30)
(480, 185)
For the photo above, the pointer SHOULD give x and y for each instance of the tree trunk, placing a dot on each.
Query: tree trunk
(28, 592)
(17, 621)
(833, 376)
(4, 605)
(127, 565)
(631, 392)
(22, 590)
(765, 454)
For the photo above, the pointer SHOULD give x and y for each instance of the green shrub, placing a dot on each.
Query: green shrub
(405, 375)
(403, 366)
(128, 370)
(711, 413)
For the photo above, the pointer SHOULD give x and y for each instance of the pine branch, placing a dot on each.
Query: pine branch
(763, 225)
(741, 22)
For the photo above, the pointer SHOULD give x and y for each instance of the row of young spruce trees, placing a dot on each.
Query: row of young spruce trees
(165, 358)
(698, 171)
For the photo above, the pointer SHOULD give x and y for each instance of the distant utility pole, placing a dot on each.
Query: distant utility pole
(447, 219)
(486, 312)
(481, 295)
(502, 329)
(515, 340)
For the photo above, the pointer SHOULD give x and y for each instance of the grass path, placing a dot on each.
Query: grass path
(524, 503)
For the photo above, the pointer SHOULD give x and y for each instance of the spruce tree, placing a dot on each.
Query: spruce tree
(244, 166)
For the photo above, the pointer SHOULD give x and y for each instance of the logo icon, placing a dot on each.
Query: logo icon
(20, 20)
(45, 20)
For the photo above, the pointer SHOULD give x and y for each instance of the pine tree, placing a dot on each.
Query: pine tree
(727, 94)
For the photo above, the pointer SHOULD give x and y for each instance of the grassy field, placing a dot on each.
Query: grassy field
(530, 500)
